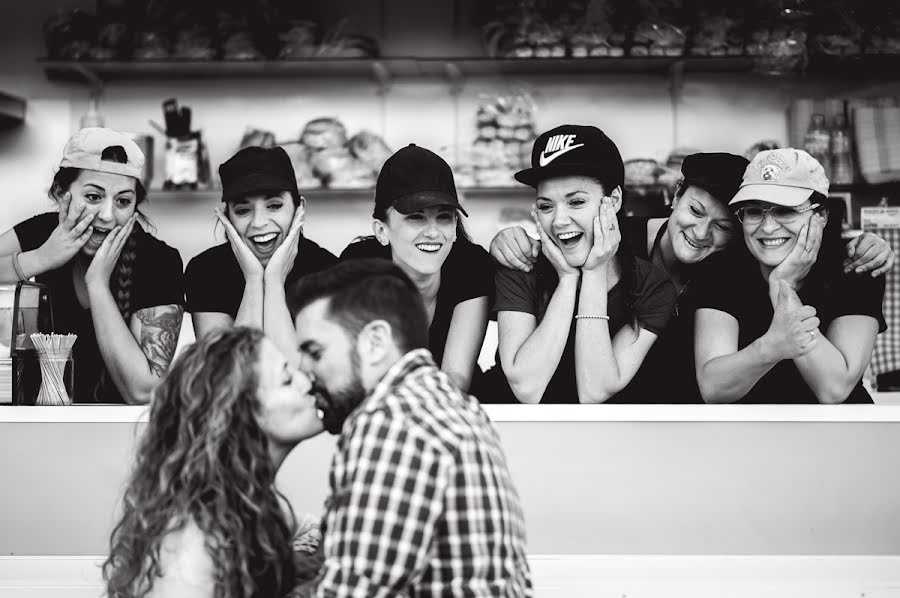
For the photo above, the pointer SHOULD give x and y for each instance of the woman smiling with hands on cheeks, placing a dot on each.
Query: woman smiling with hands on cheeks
(577, 326)
(241, 282)
(417, 225)
(783, 322)
(115, 286)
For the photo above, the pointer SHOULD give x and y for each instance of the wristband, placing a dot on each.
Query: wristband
(591, 317)
(17, 267)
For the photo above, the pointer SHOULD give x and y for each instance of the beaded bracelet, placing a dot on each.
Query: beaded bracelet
(17, 267)
(591, 317)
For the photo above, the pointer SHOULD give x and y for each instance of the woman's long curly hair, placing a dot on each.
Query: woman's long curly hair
(204, 458)
(121, 281)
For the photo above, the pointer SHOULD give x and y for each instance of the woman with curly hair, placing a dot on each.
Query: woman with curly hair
(201, 514)
(115, 286)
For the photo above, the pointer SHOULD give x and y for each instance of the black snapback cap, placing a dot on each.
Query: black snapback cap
(574, 150)
(257, 170)
(413, 179)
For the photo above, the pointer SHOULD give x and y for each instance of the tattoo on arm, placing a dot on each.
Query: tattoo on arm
(160, 327)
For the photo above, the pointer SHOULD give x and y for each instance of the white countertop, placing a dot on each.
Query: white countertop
(887, 409)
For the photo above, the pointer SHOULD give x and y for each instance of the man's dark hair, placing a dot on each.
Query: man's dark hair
(363, 290)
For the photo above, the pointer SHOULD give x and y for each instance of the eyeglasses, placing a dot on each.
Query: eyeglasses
(780, 214)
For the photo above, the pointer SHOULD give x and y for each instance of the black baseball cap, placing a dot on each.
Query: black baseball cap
(719, 174)
(257, 170)
(413, 179)
(574, 150)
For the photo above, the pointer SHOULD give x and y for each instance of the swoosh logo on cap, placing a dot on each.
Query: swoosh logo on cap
(544, 159)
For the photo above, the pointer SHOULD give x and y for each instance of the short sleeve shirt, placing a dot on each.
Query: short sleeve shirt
(158, 280)
(468, 273)
(214, 281)
(529, 292)
(738, 288)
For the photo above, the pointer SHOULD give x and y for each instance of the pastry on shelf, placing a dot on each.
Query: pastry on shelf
(69, 34)
(150, 45)
(299, 41)
(717, 35)
(240, 46)
(303, 170)
(370, 149)
(193, 44)
(657, 38)
(324, 133)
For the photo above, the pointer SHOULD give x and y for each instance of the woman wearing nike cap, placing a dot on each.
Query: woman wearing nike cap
(686, 245)
(783, 323)
(417, 224)
(117, 287)
(576, 327)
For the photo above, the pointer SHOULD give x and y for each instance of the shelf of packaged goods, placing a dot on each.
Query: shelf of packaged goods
(12, 111)
(453, 68)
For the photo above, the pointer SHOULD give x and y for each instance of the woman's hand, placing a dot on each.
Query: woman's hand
(69, 236)
(606, 238)
(104, 261)
(794, 330)
(800, 260)
(554, 254)
(246, 259)
(282, 260)
(867, 252)
(513, 248)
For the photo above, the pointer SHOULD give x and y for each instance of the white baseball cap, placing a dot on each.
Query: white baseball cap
(85, 148)
(786, 177)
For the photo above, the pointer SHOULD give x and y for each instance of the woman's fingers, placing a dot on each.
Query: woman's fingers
(83, 225)
(64, 206)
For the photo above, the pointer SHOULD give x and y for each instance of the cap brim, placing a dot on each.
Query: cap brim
(416, 202)
(254, 184)
(533, 176)
(782, 195)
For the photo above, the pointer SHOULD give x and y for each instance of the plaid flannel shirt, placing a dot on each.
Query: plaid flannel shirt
(421, 502)
(887, 345)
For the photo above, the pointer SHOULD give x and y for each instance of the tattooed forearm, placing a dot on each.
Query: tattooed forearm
(160, 327)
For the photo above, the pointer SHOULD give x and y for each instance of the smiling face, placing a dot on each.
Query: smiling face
(699, 226)
(287, 410)
(263, 220)
(420, 241)
(112, 198)
(566, 207)
(328, 354)
(771, 241)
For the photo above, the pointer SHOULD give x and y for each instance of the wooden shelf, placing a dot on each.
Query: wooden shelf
(382, 70)
(12, 111)
(314, 195)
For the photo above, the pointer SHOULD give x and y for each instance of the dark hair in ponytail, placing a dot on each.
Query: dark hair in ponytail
(122, 279)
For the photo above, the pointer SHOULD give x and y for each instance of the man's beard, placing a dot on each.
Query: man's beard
(337, 406)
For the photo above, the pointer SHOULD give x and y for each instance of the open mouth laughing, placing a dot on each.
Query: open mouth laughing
(569, 239)
(264, 243)
(773, 243)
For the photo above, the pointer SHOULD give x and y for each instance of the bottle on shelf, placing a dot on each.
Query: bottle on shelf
(841, 156)
(818, 141)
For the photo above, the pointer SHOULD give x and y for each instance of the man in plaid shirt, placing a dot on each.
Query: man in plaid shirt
(422, 503)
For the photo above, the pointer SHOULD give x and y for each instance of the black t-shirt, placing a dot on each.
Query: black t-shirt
(214, 281)
(158, 280)
(738, 288)
(467, 273)
(667, 374)
(529, 292)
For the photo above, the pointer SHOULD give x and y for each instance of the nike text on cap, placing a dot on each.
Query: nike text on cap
(413, 179)
(574, 150)
(85, 150)
(786, 177)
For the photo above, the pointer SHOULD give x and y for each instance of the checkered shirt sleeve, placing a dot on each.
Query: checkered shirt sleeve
(418, 508)
(886, 357)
